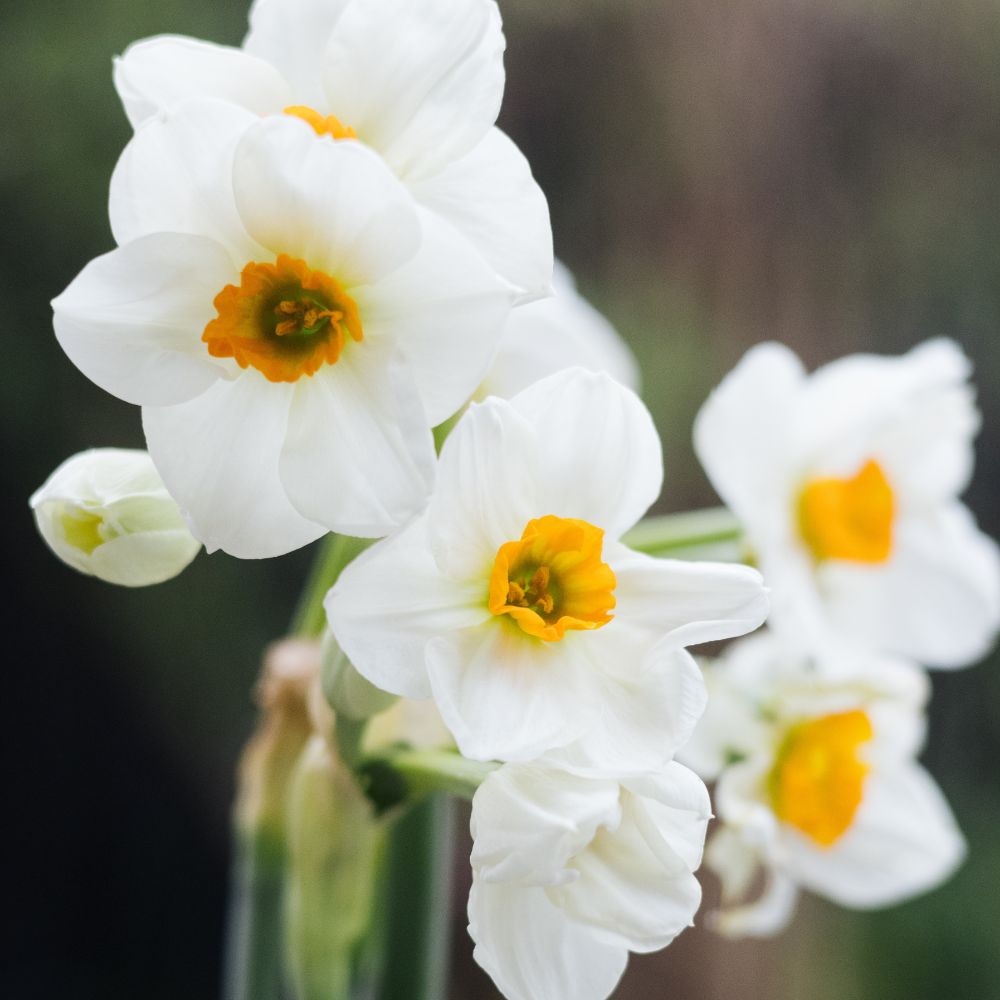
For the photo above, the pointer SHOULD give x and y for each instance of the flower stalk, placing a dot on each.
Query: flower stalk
(712, 533)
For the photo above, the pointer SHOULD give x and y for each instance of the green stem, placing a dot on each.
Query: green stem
(419, 890)
(687, 534)
(255, 932)
(335, 553)
(253, 947)
(428, 771)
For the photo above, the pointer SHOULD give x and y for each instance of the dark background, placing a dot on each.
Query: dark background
(719, 172)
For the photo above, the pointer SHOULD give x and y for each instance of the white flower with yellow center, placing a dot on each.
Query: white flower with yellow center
(544, 337)
(571, 873)
(817, 783)
(513, 603)
(292, 324)
(846, 482)
(106, 513)
(419, 81)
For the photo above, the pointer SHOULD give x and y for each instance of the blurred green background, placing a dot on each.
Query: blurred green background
(719, 172)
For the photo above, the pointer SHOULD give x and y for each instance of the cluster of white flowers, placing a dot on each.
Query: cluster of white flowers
(846, 483)
(326, 249)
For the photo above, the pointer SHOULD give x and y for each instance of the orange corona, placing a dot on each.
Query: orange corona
(817, 782)
(850, 518)
(553, 579)
(283, 319)
(322, 124)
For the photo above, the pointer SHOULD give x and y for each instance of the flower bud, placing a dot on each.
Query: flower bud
(106, 513)
(349, 693)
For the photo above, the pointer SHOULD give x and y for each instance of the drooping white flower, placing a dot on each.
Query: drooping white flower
(513, 603)
(572, 873)
(817, 783)
(419, 81)
(847, 484)
(562, 330)
(291, 322)
(106, 513)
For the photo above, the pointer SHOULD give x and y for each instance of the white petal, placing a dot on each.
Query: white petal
(634, 894)
(132, 319)
(420, 81)
(292, 35)
(530, 820)
(643, 721)
(938, 598)
(741, 433)
(676, 802)
(143, 559)
(602, 461)
(506, 695)
(533, 952)
(914, 414)
(390, 601)
(486, 489)
(175, 176)
(155, 73)
(737, 863)
(490, 196)
(359, 454)
(683, 603)
(542, 337)
(446, 309)
(903, 841)
(218, 456)
(334, 205)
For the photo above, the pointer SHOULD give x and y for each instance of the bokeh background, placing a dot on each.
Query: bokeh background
(823, 172)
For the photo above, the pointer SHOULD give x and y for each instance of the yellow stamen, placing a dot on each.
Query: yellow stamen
(848, 518)
(322, 124)
(82, 529)
(284, 319)
(817, 782)
(552, 579)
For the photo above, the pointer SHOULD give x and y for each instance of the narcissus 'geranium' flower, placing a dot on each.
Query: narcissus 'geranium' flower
(106, 513)
(419, 81)
(291, 322)
(512, 601)
(544, 337)
(846, 482)
(570, 874)
(818, 782)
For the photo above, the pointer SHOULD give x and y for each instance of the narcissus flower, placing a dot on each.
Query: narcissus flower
(818, 783)
(847, 485)
(419, 81)
(544, 337)
(106, 513)
(570, 874)
(291, 322)
(512, 601)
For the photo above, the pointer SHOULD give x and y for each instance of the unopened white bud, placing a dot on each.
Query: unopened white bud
(106, 513)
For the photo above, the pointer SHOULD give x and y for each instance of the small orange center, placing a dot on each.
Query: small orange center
(817, 781)
(848, 518)
(284, 319)
(553, 579)
(323, 124)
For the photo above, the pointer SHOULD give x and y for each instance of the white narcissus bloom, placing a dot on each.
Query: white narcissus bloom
(572, 873)
(291, 322)
(846, 482)
(817, 783)
(513, 603)
(419, 81)
(105, 512)
(544, 337)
